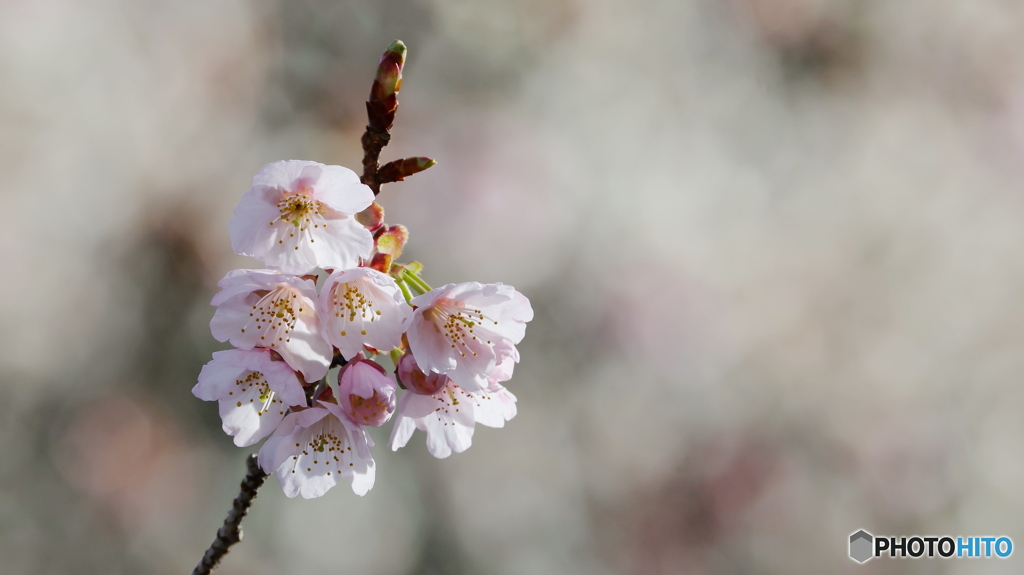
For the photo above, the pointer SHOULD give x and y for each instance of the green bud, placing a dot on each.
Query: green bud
(393, 240)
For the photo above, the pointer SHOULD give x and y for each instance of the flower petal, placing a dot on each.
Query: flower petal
(340, 188)
(310, 459)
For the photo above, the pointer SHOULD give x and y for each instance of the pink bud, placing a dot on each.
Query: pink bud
(389, 70)
(372, 217)
(367, 394)
(381, 262)
(383, 102)
(418, 382)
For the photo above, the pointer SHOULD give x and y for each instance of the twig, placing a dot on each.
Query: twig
(380, 111)
(373, 142)
(231, 532)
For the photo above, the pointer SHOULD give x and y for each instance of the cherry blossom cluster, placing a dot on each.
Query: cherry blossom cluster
(451, 347)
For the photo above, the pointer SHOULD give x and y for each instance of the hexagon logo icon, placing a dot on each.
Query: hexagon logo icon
(860, 546)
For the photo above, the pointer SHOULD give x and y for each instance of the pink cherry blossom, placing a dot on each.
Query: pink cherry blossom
(366, 393)
(314, 448)
(464, 330)
(362, 306)
(263, 308)
(449, 417)
(413, 378)
(253, 390)
(298, 215)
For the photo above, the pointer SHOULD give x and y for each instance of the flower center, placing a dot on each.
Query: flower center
(299, 210)
(303, 212)
(255, 386)
(276, 314)
(374, 411)
(457, 324)
(449, 403)
(351, 302)
(327, 445)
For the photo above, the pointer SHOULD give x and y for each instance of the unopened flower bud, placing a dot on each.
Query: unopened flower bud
(367, 394)
(393, 240)
(372, 217)
(413, 378)
(398, 170)
(389, 69)
(383, 100)
(381, 262)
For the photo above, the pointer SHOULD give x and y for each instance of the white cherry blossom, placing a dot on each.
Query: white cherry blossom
(362, 306)
(315, 448)
(449, 416)
(464, 330)
(299, 215)
(366, 393)
(264, 308)
(254, 392)
(503, 408)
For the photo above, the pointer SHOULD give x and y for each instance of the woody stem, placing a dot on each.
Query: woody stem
(231, 531)
(373, 142)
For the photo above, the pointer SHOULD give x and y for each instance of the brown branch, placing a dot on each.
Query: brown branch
(373, 142)
(380, 114)
(231, 532)
(380, 111)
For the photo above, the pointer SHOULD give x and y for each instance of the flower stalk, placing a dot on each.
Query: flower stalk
(405, 290)
(416, 281)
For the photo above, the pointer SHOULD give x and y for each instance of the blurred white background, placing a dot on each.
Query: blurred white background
(773, 247)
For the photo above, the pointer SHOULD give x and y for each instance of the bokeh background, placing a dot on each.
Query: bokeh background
(774, 249)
